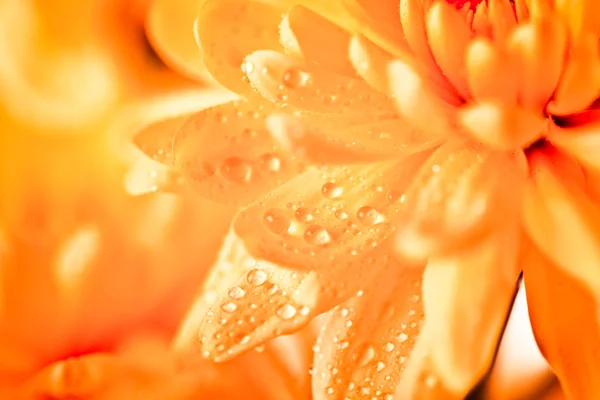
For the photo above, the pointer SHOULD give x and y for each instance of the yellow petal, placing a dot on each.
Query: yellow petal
(314, 39)
(327, 217)
(282, 80)
(467, 296)
(448, 36)
(247, 25)
(564, 317)
(538, 48)
(582, 141)
(247, 301)
(317, 143)
(170, 29)
(463, 191)
(227, 154)
(365, 343)
(502, 126)
(563, 222)
(490, 73)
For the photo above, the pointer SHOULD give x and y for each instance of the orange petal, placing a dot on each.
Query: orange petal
(538, 48)
(582, 16)
(417, 100)
(365, 343)
(170, 31)
(247, 25)
(247, 301)
(156, 139)
(463, 191)
(280, 79)
(148, 176)
(563, 222)
(227, 154)
(467, 296)
(564, 317)
(579, 84)
(490, 73)
(314, 39)
(503, 126)
(582, 141)
(448, 35)
(502, 18)
(327, 217)
(315, 142)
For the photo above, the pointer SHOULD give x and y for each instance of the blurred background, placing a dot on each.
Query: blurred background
(98, 243)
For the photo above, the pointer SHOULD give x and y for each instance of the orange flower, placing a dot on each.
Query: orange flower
(97, 270)
(372, 138)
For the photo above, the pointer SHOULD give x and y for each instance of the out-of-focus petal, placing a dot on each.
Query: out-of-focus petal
(459, 194)
(330, 217)
(582, 141)
(564, 316)
(563, 221)
(287, 83)
(247, 26)
(227, 154)
(365, 342)
(467, 296)
(312, 140)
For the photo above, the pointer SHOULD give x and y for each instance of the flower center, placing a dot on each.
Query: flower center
(461, 3)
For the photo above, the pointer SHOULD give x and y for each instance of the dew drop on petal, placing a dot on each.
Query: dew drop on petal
(256, 277)
(270, 162)
(287, 311)
(294, 77)
(316, 235)
(332, 191)
(236, 292)
(367, 356)
(303, 214)
(276, 221)
(369, 216)
(228, 307)
(237, 170)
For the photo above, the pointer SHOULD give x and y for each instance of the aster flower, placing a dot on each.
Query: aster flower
(401, 162)
(97, 269)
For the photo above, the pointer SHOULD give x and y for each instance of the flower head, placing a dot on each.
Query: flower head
(380, 144)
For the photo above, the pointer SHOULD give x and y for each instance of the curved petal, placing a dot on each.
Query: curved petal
(582, 141)
(563, 221)
(315, 142)
(156, 139)
(247, 301)
(463, 191)
(227, 154)
(564, 316)
(247, 26)
(365, 342)
(315, 40)
(330, 217)
(285, 82)
(467, 296)
(170, 28)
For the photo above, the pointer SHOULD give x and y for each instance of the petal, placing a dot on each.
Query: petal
(170, 29)
(563, 222)
(227, 154)
(564, 317)
(503, 126)
(449, 35)
(314, 39)
(365, 342)
(502, 17)
(247, 301)
(490, 73)
(282, 80)
(582, 16)
(148, 176)
(156, 139)
(418, 101)
(582, 141)
(327, 217)
(247, 25)
(463, 191)
(538, 48)
(467, 296)
(579, 84)
(315, 142)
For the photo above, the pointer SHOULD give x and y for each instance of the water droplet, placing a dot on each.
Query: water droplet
(304, 311)
(303, 214)
(342, 215)
(270, 162)
(330, 390)
(317, 235)
(403, 337)
(248, 66)
(294, 77)
(332, 191)
(287, 311)
(236, 292)
(256, 277)
(380, 366)
(366, 356)
(388, 347)
(228, 307)
(276, 221)
(369, 216)
(237, 170)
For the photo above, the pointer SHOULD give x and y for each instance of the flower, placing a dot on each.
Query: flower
(372, 138)
(97, 268)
